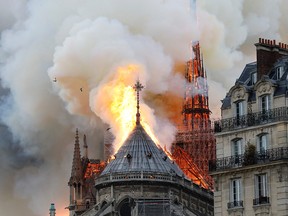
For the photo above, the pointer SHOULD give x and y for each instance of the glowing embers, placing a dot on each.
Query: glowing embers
(94, 169)
(187, 165)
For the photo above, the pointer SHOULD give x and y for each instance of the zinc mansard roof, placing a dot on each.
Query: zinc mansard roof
(245, 80)
(139, 153)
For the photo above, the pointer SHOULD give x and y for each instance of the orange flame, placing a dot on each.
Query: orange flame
(120, 101)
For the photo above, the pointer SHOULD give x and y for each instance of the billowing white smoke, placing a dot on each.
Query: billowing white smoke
(81, 43)
(228, 32)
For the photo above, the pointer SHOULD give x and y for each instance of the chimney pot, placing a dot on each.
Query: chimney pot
(267, 57)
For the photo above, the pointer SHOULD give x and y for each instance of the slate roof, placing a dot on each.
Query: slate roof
(139, 153)
(245, 80)
(246, 73)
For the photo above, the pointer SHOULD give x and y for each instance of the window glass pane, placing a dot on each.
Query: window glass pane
(239, 108)
(254, 78)
(279, 72)
(265, 103)
(235, 190)
(261, 186)
(262, 142)
(237, 147)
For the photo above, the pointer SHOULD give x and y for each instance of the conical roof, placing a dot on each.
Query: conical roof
(140, 154)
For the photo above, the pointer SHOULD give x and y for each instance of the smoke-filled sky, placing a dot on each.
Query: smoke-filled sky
(83, 44)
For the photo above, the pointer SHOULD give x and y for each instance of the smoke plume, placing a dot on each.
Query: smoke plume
(56, 57)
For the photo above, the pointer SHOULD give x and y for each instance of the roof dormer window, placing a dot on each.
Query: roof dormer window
(279, 72)
(265, 103)
(253, 78)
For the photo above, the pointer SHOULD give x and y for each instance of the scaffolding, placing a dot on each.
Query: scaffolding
(195, 136)
(191, 170)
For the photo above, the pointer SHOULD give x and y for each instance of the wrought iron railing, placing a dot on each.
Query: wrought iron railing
(235, 204)
(251, 119)
(266, 156)
(261, 200)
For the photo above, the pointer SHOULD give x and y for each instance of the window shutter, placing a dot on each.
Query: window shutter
(239, 189)
(256, 187)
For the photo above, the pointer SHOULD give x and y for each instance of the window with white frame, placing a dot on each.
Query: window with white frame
(239, 108)
(265, 103)
(253, 78)
(239, 111)
(262, 143)
(279, 72)
(237, 147)
(261, 189)
(235, 190)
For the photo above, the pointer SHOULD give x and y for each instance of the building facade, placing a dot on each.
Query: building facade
(251, 166)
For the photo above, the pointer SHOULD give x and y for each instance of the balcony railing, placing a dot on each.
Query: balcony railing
(251, 119)
(261, 200)
(235, 204)
(261, 157)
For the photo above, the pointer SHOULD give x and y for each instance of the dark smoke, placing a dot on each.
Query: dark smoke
(42, 39)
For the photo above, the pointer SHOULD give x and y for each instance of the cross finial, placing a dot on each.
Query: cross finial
(138, 87)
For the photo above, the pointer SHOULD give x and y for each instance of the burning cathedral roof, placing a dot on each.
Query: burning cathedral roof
(139, 153)
(142, 178)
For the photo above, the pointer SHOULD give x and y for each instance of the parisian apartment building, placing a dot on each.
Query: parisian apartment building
(251, 167)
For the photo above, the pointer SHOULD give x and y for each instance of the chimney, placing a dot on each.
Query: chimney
(268, 52)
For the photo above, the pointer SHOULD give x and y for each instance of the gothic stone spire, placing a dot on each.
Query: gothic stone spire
(76, 164)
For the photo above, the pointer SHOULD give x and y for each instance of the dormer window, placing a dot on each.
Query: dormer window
(279, 72)
(239, 108)
(264, 103)
(239, 111)
(253, 78)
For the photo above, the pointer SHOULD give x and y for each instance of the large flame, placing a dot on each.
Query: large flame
(120, 102)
